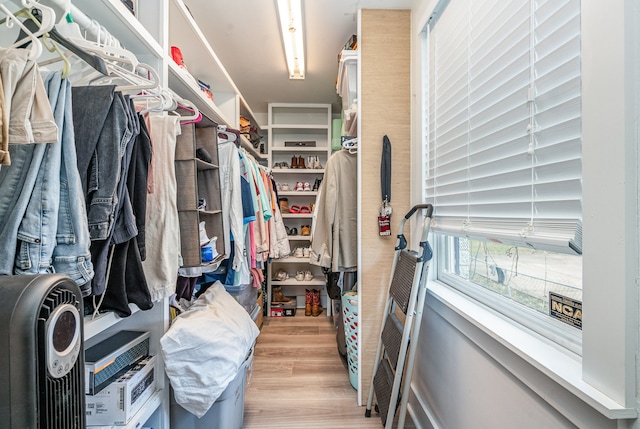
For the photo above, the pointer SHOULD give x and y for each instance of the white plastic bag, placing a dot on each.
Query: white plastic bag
(204, 348)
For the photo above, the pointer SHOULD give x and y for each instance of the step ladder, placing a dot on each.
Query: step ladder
(405, 301)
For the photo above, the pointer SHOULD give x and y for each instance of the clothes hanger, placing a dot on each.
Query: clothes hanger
(226, 135)
(93, 60)
(35, 50)
(351, 145)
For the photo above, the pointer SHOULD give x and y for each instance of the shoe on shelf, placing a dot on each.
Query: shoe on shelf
(306, 187)
(316, 307)
(317, 164)
(300, 276)
(278, 297)
(281, 275)
(299, 186)
(301, 162)
(305, 230)
(306, 252)
(307, 302)
(285, 187)
(292, 231)
(304, 210)
(308, 276)
(298, 253)
(316, 184)
(294, 162)
(284, 205)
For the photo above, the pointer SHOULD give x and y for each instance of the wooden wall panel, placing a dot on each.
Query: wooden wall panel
(385, 108)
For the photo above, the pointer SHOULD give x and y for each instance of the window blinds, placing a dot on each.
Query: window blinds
(503, 91)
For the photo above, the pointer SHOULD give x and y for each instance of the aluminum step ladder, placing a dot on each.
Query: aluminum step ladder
(405, 301)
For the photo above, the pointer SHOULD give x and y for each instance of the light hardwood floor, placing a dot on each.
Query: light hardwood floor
(299, 379)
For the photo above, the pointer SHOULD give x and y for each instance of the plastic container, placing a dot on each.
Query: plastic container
(226, 413)
(244, 294)
(350, 320)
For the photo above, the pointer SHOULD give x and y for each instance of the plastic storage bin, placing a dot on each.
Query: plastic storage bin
(226, 413)
(350, 320)
(244, 294)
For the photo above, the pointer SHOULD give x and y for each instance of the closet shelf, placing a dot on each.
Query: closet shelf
(297, 170)
(246, 145)
(203, 165)
(299, 127)
(143, 415)
(292, 149)
(299, 237)
(294, 282)
(210, 212)
(114, 16)
(296, 215)
(183, 85)
(103, 322)
(297, 193)
(292, 260)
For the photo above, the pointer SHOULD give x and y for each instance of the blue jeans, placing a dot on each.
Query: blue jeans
(16, 184)
(53, 235)
(71, 255)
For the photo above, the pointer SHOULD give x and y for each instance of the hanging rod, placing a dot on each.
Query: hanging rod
(90, 26)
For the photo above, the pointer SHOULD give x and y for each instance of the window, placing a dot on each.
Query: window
(503, 118)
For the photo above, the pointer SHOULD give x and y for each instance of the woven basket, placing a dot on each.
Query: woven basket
(350, 319)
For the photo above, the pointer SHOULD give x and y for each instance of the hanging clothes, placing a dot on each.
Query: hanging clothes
(231, 191)
(334, 244)
(163, 227)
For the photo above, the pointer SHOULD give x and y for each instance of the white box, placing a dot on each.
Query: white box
(117, 403)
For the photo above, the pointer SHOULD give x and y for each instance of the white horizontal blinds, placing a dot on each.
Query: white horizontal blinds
(505, 122)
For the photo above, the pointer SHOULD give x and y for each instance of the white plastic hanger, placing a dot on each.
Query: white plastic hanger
(351, 145)
(225, 136)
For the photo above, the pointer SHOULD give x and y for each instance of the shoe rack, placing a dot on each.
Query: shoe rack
(299, 147)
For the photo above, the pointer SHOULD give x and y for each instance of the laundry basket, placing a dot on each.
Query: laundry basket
(350, 319)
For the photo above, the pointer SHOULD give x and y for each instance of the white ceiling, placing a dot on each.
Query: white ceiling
(245, 35)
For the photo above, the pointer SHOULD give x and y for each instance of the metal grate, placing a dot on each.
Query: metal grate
(383, 384)
(392, 338)
(402, 282)
(61, 402)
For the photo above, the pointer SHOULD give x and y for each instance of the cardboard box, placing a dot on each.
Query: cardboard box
(289, 309)
(276, 311)
(107, 360)
(117, 403)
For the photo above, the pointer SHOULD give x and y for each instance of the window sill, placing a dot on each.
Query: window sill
(560, 366)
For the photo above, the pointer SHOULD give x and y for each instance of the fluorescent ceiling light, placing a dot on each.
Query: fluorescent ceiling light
(290, 12)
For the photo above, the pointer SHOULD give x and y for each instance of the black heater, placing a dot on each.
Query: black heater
(41, 353)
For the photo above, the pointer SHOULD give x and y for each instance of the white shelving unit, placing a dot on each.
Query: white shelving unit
(309, 125)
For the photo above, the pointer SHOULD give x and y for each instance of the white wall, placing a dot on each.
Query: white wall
(467, 377)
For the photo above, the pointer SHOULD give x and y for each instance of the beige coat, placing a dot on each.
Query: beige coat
(335, 239)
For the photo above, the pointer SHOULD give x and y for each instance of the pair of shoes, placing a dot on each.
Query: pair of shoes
(291, 231)
(284, 187)
(280, 165)
(277, 296)
(300, 210)
(314, 162)
(281, 275)
(312, 306)
(300, 186)
(304, 276)
(284, 205)
(316, 184)
(305, 230)
(297, 162)
(298, 253)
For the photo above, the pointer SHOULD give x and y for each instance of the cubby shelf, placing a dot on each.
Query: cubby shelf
(297, 123)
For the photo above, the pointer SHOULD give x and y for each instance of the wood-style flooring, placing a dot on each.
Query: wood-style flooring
(299, 379)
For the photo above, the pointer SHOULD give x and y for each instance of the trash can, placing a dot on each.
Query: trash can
(350, 319)
(228, 410)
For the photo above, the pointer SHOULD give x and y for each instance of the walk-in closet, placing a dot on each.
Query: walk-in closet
(319, 214)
